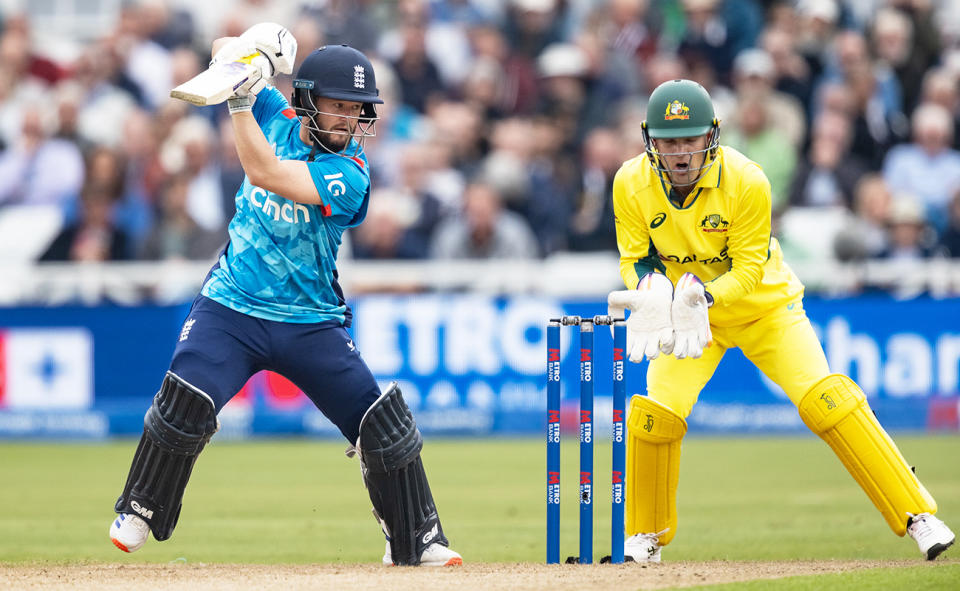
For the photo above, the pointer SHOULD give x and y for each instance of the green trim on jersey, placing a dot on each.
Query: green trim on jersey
(649, 263)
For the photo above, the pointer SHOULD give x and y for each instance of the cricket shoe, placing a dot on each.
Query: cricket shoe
(643, 547)
(433, 555)
(932, 535)
(129, 532)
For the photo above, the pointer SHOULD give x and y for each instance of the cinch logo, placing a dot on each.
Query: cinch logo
(286, 210)
(658, 220)
(676, 110)
(829, 401)
(648, 426)
(714, 223)
(148, 513)
(358, 78)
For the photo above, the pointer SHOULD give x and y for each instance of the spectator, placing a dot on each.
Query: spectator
(385, 233)
(927, 168)
(908, 231)
(829, 173)
(189, 150)
(717, 30)
(592, 223)
(864, 236)
(942, 86)
(878, 119)
(791, 73)
(418, 76)
(176, 235)
(93, 236)
(950, 240)
(40, 169)
(892, 39)
(753, 79)
(759, 139)
(485, 230)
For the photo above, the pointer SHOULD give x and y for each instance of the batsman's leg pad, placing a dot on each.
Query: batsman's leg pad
(181, 420)
(837, 410)
(393, 472)
(654, 435)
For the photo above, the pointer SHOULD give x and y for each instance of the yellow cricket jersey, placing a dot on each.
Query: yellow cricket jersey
(721, 235)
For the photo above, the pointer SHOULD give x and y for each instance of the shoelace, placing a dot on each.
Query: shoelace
(919, 526)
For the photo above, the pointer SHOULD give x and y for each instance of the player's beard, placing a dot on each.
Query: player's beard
(332, 142)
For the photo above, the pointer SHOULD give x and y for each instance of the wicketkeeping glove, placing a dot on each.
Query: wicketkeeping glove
(649, 329)
(691, 322)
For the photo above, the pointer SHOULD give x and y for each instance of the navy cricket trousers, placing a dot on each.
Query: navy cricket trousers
(219, 349)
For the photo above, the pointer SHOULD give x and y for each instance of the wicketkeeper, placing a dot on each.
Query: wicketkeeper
(704, 275)
(273, 301)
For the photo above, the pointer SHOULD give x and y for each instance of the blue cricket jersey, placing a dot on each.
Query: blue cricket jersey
(280, 263)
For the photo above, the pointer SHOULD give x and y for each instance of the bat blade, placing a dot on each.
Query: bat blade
(214, 85)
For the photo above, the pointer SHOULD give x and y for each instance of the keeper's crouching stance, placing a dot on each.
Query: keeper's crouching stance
(273, 300)
(688, 210)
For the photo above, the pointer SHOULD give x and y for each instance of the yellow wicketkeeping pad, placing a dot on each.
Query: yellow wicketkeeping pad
(654, 433)
(837, 410)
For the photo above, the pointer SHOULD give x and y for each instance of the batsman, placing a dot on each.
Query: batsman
(703, 275)
(273, 299)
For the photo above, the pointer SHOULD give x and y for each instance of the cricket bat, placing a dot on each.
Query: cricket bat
(215, 84)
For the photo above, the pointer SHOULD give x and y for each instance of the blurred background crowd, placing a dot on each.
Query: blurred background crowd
(504, 120)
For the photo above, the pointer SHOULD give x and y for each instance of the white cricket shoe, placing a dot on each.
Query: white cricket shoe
(433, 555)
(643, 547)
(129, 532)
(932, 535)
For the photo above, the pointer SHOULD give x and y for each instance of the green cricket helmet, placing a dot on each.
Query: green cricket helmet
(679, 109)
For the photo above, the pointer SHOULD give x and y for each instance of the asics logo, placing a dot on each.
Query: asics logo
(659, 219)
(427, 537)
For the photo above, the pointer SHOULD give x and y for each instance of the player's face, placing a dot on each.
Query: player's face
(337, 121)
(683, 157)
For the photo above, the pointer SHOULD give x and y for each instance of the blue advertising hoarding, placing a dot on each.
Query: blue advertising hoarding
(467, 364)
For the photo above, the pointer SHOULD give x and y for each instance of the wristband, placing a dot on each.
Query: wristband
(240, 104)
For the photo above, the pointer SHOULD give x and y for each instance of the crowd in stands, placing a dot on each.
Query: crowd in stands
(504, 122)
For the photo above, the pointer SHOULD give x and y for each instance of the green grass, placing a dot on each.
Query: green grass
(302, 501)
(931, 577)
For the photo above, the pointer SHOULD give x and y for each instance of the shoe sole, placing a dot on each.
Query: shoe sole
(451, 562)
(938, 549)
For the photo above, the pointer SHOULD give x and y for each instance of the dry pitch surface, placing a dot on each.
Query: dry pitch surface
(485, 577)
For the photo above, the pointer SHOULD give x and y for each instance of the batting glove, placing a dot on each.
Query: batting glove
(276, 44)
(649, 329)
(691, 322)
